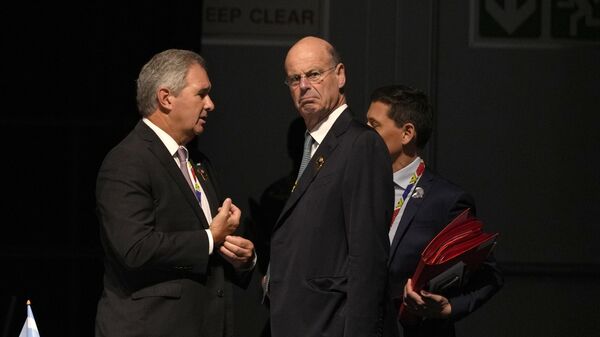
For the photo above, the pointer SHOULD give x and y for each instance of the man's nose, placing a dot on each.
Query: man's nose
(304, 82)
(209, 105)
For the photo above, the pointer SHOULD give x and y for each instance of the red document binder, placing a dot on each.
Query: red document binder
(450, 257)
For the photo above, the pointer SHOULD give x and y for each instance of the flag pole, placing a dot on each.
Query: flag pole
(29, 327)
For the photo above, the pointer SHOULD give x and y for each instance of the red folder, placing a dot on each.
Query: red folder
(450, 257)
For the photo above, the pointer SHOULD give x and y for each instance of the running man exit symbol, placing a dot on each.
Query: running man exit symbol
(583, 18)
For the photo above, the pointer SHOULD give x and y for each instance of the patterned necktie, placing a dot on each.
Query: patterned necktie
(411, 184)
(308, 141)
(182, 155)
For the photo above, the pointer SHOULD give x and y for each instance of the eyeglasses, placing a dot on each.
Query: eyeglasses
(313, 76)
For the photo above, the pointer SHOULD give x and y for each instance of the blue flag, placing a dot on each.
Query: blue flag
(29, 328)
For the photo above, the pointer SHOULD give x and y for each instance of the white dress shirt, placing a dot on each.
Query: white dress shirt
(321, 130)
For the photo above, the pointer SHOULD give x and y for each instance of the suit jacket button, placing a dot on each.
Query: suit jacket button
(220, 292)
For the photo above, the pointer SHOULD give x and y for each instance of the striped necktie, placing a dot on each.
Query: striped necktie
(308, 141)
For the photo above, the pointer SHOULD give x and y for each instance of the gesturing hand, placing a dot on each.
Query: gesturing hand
(225, 222)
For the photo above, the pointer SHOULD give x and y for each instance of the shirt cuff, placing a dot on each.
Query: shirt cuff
(254, 260)
(210, 241)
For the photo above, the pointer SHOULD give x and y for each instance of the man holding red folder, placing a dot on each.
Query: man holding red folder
(424, 204)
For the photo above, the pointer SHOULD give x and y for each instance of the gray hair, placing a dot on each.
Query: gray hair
(167, 69)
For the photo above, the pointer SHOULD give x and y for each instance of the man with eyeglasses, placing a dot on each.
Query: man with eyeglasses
(329, 247)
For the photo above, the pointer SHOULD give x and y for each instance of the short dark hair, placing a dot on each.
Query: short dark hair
(407, 105)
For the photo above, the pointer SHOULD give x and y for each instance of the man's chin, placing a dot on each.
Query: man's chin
(198, 131)
(198, 128)
(308, 109)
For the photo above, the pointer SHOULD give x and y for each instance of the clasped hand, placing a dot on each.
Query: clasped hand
(235, 249)
(425, 304)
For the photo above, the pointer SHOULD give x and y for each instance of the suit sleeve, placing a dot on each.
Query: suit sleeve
(368, 200)
(127, 207)
(484, 283)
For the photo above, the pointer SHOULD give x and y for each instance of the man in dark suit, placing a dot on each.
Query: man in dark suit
(170, 257)
(424, 204)
(329, 247)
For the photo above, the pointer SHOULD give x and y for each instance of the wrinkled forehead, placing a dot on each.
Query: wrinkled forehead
(304, 57)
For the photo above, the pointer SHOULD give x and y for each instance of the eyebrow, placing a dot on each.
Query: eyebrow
(315, 68)
(204, 90)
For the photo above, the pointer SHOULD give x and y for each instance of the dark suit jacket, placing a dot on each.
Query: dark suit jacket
(329, 247)
(159, 279)
(422, 219)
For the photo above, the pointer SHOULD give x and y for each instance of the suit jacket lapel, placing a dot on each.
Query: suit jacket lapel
(411, 209)
(156, 146)
(317, 162)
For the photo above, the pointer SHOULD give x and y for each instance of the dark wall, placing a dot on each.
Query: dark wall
(517, 126)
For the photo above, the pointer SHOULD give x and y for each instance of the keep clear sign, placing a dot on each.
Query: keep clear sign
(535, 23)
(270, 22)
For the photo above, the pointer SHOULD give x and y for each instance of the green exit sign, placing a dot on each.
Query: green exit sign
(534, 23)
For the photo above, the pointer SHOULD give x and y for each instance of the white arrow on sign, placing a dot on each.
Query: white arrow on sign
(511, 16)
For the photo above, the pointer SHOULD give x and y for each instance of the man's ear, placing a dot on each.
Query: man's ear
(409, 133)
(341, 75)
(164, 99)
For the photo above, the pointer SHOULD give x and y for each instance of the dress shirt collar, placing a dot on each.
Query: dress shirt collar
(321, 130)
(402, 176)
(169, 142)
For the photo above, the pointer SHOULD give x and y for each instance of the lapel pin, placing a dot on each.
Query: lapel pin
(419, 193)
(320, 161)
(200, 171)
